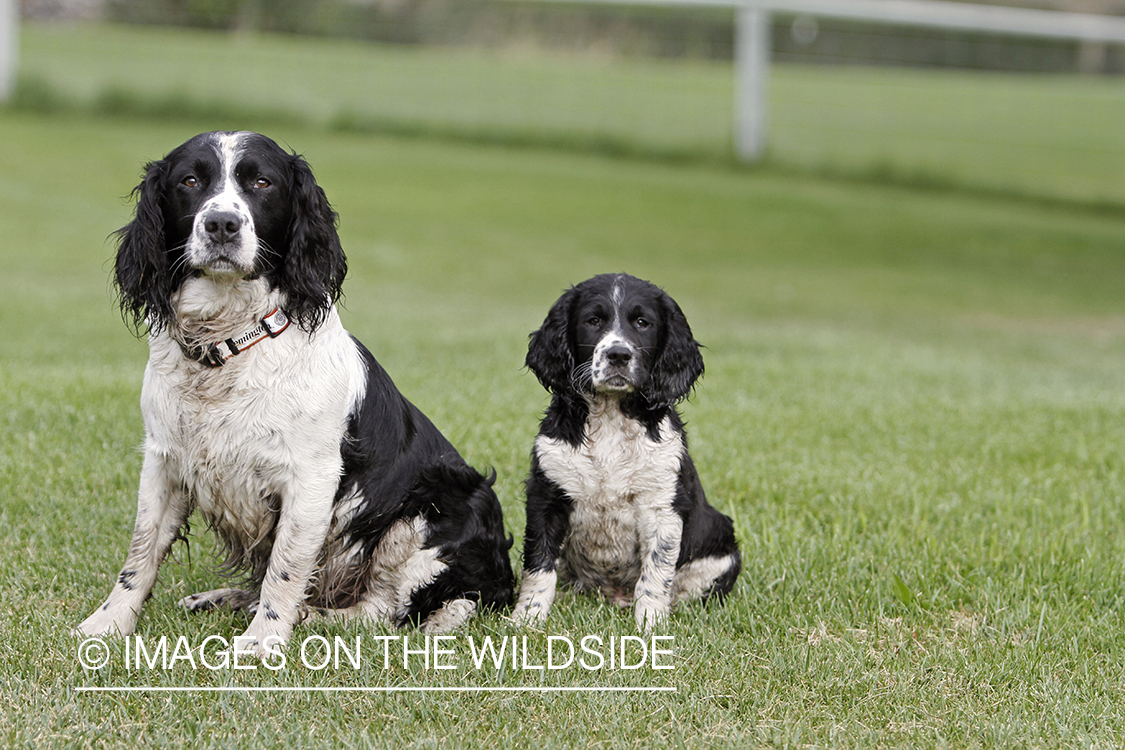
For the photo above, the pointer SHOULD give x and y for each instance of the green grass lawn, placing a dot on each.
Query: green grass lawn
(1052, 136)
(912, 409)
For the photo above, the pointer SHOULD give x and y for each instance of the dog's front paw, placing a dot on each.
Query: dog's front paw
(266, 648)
(649, 614)
(107, 621)
(265, 637)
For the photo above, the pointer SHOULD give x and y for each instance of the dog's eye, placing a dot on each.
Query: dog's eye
(262, 182)
(594, 322)
(641, 324)
(190, 181)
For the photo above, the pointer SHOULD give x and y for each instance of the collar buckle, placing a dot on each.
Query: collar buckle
(276, 322)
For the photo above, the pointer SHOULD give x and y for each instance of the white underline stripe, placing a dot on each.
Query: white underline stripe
(282, 689)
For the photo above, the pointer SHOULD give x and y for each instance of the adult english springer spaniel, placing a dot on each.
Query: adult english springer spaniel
(614, 503)
(326, 486)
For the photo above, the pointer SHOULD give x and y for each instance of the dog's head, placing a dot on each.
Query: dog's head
(615, 334)
(229, 206)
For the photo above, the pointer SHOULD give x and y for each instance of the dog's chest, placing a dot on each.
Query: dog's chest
(241, 437)
(614, 479)
(230, 461)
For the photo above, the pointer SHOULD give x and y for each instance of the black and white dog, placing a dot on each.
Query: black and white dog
(327, 487)
(614, 502)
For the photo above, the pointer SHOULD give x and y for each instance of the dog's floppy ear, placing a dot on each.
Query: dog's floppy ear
(679, 363)
(314, 267)
(142, 273)
(550, 353)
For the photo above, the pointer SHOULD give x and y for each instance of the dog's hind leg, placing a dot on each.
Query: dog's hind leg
(388, 586)
(705, 577)
(378, 605)
(221, 598)
(450, 616)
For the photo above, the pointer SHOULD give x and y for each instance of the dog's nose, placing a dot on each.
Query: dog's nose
(618, 355)
(222, 226)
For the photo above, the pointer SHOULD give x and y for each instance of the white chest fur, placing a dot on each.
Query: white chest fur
(614, 478)
(257, 431)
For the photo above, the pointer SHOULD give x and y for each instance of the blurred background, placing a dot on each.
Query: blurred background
(911, 300)
(896, 102)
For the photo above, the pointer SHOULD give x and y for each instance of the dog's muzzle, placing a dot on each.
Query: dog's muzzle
(615, 368)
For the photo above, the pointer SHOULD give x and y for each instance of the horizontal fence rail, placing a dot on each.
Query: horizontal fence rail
(935, 14)
(752, 38)
(984, 19)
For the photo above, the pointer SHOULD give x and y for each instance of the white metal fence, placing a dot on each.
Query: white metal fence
(752, 38)
(752, 65)
(9, 45)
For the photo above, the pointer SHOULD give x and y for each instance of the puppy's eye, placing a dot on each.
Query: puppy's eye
(261, 183)
(594, 322)
(641, 324)
(190, 181)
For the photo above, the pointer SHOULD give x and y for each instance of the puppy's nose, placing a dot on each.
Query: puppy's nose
(618, 355)
(222, 226)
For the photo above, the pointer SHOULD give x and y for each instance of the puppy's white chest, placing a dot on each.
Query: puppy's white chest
(617, 464)
(616, 477)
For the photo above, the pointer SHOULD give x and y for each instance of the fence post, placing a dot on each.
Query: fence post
(751, 82)
(9, 45)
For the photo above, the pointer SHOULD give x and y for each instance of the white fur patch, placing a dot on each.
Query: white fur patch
(606, 376)
(419, 571)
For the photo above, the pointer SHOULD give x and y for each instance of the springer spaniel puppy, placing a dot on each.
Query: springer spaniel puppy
(614, 503)
(326, 486)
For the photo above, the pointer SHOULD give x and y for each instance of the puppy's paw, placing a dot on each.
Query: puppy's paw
(531, 613)
(537, 594)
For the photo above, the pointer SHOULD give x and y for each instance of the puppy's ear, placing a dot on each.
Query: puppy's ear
(314, 267)
(142, 273)
(550, 353)
(679, 363)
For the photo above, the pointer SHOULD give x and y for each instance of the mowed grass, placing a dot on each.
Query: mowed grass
(1041, 135)
(912, 410)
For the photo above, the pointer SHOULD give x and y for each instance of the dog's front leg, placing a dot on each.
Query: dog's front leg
(302, 527)
(162, 509)
(660, 530)
(548, 514)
